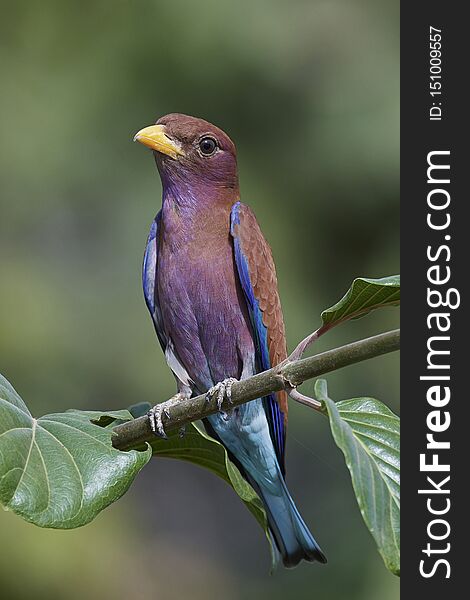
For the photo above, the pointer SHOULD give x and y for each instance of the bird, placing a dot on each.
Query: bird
(210, 285)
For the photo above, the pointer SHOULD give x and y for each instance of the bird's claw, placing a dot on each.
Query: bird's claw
(156, 423)
(155, 415)
(223, 389)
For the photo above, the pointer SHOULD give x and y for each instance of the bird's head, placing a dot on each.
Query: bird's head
(191, 152)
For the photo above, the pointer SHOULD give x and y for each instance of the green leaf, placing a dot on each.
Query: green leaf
(61, 470)
(363, 296)
(368, 434)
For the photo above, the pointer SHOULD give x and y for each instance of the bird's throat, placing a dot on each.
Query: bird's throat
(196, 216)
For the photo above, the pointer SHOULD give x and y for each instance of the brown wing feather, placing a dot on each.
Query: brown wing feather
(264, 280)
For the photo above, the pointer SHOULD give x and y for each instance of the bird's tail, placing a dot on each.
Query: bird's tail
(292, 537)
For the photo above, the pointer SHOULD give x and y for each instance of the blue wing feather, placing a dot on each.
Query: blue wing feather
(274, 414)
(149, 272)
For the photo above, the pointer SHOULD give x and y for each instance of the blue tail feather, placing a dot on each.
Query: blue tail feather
(292, 536)
(245, 434)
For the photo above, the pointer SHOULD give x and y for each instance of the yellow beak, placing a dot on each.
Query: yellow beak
(154, 137)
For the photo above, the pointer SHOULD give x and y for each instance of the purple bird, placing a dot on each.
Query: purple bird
(210, 285)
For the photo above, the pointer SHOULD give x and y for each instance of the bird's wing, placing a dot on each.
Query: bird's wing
(258, 279)
(149, 277)
(149, 272)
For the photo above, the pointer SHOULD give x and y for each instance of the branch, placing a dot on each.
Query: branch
(287, 375)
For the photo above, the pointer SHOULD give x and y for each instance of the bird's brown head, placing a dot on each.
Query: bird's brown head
(191, 152)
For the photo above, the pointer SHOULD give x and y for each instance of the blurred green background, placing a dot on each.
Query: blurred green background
(309, 91)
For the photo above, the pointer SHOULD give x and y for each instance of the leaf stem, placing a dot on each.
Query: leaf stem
(310, 339)
(288, 375)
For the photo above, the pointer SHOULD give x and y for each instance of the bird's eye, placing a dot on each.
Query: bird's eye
(208, 146)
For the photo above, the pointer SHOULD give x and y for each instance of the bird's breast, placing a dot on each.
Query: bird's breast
(203, 307)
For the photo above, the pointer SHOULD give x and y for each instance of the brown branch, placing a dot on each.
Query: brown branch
(288, 375)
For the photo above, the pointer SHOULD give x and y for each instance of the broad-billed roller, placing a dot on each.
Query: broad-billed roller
(210, 285)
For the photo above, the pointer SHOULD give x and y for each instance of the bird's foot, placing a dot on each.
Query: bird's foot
(223, 389)
(155, 415)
